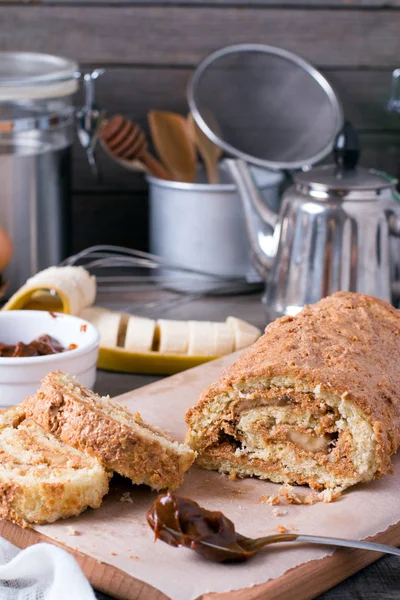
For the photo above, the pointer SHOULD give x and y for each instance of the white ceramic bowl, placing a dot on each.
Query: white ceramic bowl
(21, 376)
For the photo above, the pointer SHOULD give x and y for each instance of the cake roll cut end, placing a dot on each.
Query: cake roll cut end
(285, 433)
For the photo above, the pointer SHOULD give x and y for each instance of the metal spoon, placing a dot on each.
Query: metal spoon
(254, 545)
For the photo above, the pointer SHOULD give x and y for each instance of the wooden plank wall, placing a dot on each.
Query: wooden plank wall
(149, 49)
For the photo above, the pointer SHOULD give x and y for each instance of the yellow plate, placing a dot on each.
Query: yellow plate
(153, 363)
(112, 359)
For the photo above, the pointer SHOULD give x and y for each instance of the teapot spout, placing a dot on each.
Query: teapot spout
(260, 219)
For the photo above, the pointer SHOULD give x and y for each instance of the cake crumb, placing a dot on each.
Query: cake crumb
(287, 495)
(281, 529)
(286, 491)
(233, 475)
(71, 530)
(310, 499)
(126, 497)
(272, 500)
(329, 495)
(113, 554)
(279, 513)
(237, 492)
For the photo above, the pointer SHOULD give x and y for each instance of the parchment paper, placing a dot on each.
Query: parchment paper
(118, 533)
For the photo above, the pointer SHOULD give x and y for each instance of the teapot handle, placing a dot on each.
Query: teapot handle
(346, 151)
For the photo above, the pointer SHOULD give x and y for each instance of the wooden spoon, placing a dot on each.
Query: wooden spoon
(209, 152)
(125, 141)
(173, 144)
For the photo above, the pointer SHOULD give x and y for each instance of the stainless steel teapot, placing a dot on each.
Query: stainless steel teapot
(336, 230)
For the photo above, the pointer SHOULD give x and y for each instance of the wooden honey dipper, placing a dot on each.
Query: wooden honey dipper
(126, 141)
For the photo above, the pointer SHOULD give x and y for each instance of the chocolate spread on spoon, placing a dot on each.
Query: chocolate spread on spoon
(182, 522)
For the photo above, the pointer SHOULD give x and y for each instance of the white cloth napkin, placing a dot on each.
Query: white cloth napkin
(41, 572)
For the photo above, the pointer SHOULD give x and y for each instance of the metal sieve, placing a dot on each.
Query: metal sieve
(265, 105)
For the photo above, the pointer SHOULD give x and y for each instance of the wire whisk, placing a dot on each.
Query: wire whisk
(133, 270)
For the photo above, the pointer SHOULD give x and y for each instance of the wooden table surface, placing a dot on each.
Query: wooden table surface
(379, 581)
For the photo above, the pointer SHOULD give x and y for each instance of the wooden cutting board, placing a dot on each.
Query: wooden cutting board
(115, 549)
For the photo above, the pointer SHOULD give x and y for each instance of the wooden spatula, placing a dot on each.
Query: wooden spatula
(126, 142)
(173, 144)
(209, 152)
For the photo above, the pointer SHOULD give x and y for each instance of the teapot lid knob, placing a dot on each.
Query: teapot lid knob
(346, 150)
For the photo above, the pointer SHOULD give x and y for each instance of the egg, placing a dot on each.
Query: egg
(6, 249)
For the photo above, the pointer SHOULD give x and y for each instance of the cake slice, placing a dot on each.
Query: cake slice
(41, 478)
(122, 441)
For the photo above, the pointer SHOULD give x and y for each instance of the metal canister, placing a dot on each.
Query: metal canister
(36, 134)
(202, 227)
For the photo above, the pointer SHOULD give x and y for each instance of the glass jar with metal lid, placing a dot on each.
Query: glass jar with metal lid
(37, 128)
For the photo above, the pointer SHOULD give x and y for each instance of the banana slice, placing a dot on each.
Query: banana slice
(173, 336)
(244, 333)
(224, 339)
(139, 334)
(201, 338)
(107, 323)
(92, 312)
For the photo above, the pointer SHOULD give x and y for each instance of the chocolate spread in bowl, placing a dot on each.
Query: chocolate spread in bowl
(41, 346)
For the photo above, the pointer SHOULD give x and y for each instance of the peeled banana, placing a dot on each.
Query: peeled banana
(75, 287)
